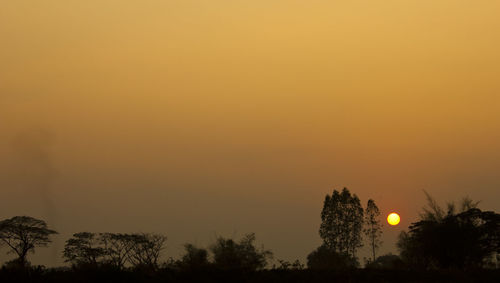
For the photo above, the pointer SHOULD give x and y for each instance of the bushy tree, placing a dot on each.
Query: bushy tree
(22, 234)
(242, 255)
(432, 211)
(388, 261)
(194, 258)
(449, 240)
(327, 258)
(373, 227)
(342, 222)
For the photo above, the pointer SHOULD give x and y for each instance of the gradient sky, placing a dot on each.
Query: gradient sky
(205, 118)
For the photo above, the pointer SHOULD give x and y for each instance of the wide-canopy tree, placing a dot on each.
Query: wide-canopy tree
(22, 234)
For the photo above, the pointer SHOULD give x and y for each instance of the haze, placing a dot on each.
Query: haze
(205, 118)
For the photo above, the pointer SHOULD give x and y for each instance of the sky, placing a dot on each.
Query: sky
(200, 119)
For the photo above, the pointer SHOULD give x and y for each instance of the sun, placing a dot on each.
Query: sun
(393, 219)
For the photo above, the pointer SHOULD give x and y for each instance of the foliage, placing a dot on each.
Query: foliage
(92, 250)
(230, 255)
(373, 227)
(84, 249)
(433, 212)
(145, 250)
(461, 241)
(326, 258)
(22, 234)
(117, 248)
(341, 222)
(286, 265)
(194, 258)
(388, 262)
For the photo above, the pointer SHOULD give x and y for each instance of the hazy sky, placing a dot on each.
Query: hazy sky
(205, 118)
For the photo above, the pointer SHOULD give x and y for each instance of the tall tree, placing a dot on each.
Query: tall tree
(354, 220)
(373, 227)
(331, 221)
(22, 234)
(342, 222)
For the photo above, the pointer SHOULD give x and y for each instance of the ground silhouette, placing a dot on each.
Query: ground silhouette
(458, 244)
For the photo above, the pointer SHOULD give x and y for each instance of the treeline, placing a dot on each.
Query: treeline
(90, 250)
(118, 251)
(460, 237)
(142, 251)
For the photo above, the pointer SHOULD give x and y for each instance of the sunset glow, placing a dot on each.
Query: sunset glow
(199, 118)
(393, 219)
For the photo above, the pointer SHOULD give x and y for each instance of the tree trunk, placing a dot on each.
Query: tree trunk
(373, 249)
(22, 259)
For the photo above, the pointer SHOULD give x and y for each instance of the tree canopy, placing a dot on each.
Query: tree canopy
(91, 250)
(373, 227)
(328, 259)
(440, 240)
(22, 234)
(342, 222)
(194, 258)
(243, 255)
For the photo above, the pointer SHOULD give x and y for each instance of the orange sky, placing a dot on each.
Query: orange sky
(204, 118)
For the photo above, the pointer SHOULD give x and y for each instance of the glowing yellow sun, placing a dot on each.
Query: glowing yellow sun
(393, 219)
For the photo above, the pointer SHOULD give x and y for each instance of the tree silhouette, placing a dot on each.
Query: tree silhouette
(373, 227)
(388, 261)
(326, 258)
(93, 250)
(341, 222)
(230, 255)
(433, 212)
(22, 234)
(461, 241)
(145, 250)
(195, 258)
(117, 248)
(84, 249)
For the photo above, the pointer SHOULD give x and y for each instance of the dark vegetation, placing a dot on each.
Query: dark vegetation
(465, 240)
(458, 244)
